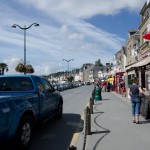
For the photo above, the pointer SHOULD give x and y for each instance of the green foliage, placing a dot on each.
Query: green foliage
(21, 68)
(70, 78)
(98, 63)
(3, 67)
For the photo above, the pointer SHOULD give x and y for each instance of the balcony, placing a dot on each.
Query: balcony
(144, 45)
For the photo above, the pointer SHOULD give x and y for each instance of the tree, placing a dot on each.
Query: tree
(70, 78)
(3, 68)
(98, 63)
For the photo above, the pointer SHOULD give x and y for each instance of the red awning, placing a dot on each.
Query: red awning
(147, 36)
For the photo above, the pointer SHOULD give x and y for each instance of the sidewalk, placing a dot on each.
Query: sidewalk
(112, 127)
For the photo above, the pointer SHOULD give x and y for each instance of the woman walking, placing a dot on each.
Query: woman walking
(135, 100)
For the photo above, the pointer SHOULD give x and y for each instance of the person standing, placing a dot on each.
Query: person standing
(104, 85)
(134, 91)
(108, 87)
(122, 88)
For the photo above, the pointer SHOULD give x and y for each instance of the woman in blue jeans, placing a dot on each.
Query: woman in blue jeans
(135, 100)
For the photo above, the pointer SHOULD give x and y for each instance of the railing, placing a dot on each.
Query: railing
(143, 46)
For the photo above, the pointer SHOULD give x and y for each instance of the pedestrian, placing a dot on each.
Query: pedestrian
(108, 87)
(111, 87)
(122, 88)
(134, 92)
(104, 85)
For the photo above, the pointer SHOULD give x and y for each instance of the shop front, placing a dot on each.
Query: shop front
(142, 71)
(145, 107)
(119, 76)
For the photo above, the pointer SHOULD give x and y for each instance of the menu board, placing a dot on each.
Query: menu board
(148, 83)
(145, 107)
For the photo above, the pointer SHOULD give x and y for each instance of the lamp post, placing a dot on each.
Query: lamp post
(25, 28)
(68, 60)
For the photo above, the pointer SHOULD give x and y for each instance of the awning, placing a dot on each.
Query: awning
(143, 62)
(131, 72)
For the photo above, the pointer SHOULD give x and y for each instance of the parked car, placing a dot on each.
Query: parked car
(26, 100)
(60, 87)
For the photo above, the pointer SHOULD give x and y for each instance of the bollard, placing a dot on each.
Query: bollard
(93, 96)
(91, 105)
(85, 120)
(92, 99)
(88, 121)
(72, 147)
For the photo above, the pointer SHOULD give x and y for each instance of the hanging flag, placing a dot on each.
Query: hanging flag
(147, 36)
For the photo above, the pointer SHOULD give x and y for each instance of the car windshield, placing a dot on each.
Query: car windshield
(15, 84)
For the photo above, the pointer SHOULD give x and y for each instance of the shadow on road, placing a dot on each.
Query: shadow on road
(99, 132)
(145, 122)
(55, 134)
(105, 99)
(98, 112)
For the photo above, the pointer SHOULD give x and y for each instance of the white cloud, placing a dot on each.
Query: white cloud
(84, 8)
(62, 34)
(11, 62)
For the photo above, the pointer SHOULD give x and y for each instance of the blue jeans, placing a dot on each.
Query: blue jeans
(136, 103)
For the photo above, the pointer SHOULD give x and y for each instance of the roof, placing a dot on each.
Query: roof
(17, 75)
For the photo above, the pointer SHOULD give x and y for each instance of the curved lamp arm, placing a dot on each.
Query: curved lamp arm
(68, 60)
(25, 28)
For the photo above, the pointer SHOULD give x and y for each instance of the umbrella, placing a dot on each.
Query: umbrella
(110, 79)
(147, 36)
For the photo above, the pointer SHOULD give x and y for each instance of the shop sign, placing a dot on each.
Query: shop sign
(146, 54)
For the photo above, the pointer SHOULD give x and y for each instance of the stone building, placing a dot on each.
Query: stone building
(140, 65)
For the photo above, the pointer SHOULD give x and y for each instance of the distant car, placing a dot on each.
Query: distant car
(59, 87)
(88, 83)
(76, 84)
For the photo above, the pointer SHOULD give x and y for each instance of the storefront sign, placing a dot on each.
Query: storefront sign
(145, 54)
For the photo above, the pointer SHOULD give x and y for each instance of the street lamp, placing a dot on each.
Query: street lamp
(25, 28)
(68, 60)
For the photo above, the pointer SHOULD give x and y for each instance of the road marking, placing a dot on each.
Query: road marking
(76, 135)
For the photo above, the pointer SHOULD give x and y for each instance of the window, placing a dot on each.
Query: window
(16, 84)
(47, 85)
(39, 84)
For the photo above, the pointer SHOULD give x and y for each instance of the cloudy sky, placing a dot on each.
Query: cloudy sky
(83, 30)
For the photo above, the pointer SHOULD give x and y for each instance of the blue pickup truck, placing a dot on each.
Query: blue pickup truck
(26, 100)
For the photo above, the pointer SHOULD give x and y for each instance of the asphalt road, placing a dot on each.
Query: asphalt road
(58, 134)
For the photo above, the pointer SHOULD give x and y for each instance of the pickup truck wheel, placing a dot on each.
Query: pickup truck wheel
(24, 132)
(59, 111)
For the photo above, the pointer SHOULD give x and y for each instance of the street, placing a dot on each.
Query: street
(57, 134)
(111, 124)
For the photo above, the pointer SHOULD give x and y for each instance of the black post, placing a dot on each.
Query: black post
(91, 105)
